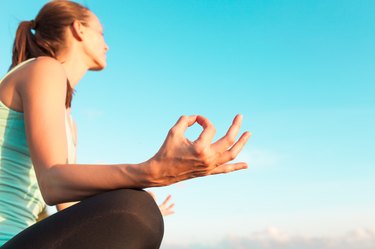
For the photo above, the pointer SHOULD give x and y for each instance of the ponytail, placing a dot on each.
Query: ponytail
(45, 35)
(23, 43)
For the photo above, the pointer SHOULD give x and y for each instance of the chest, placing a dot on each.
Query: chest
(9, 95)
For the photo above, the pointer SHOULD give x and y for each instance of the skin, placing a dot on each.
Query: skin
(165, 207)
(38, 89)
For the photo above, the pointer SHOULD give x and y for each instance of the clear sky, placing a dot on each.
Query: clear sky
(302, 74)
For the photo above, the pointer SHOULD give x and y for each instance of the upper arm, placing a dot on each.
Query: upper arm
(43, 98)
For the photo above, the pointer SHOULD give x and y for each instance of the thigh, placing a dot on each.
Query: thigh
(123, 218)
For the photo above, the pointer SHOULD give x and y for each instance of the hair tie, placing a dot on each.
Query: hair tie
(32, 24)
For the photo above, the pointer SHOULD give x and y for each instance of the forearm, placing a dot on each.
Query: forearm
(74, 182)
(178, 159)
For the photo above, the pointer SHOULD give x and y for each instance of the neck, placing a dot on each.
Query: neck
(74, 71)
(74, 66)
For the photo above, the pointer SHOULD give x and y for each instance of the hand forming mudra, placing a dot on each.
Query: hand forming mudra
(51, 54)
(180, 159)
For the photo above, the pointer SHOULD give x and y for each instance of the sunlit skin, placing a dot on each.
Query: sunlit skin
(165, 207)
(214, 156)
(63, 183)
(86, 49)
(95, 39)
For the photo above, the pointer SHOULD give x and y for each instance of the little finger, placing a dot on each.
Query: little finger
(227, 168)
(233, 152)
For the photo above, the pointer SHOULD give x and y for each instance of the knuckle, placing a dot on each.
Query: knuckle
(199, 150)
(206, 162)
(224, 171)
(172, 131)
(230, 140)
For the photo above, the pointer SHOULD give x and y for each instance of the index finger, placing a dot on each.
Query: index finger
(208, 132)
(183, 123)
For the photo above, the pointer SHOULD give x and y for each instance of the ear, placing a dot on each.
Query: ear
(77, 30)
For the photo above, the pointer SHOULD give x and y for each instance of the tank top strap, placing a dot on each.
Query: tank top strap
(15, 68)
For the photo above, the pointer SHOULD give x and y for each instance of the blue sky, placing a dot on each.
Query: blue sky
(302, 74)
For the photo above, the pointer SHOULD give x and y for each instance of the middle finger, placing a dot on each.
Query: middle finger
(228, 140)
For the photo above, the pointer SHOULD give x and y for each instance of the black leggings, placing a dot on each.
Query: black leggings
(119, 219)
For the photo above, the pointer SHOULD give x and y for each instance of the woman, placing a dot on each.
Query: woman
(37, 147)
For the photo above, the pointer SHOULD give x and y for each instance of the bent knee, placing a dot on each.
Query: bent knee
(135, 202)
(132, 199)
(139, 210)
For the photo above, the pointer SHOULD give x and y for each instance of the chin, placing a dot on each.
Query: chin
(99, 65)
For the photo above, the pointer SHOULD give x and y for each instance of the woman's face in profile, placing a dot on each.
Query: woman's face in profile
(95, 45)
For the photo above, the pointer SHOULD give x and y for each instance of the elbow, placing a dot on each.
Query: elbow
(48, 191)
(49, 200)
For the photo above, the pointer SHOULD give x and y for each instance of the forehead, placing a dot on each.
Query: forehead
(94, 21)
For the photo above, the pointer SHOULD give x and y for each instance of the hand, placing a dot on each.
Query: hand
(165, 209)
(180, 159)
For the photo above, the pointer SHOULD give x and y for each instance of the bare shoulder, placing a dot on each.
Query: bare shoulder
(47, 61)
(44, 74)
(47, 66)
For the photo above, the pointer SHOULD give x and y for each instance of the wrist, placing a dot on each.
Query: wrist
(153, 173)
(149, 173)
(135, 175)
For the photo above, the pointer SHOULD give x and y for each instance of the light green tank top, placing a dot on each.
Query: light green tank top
(20, 199)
